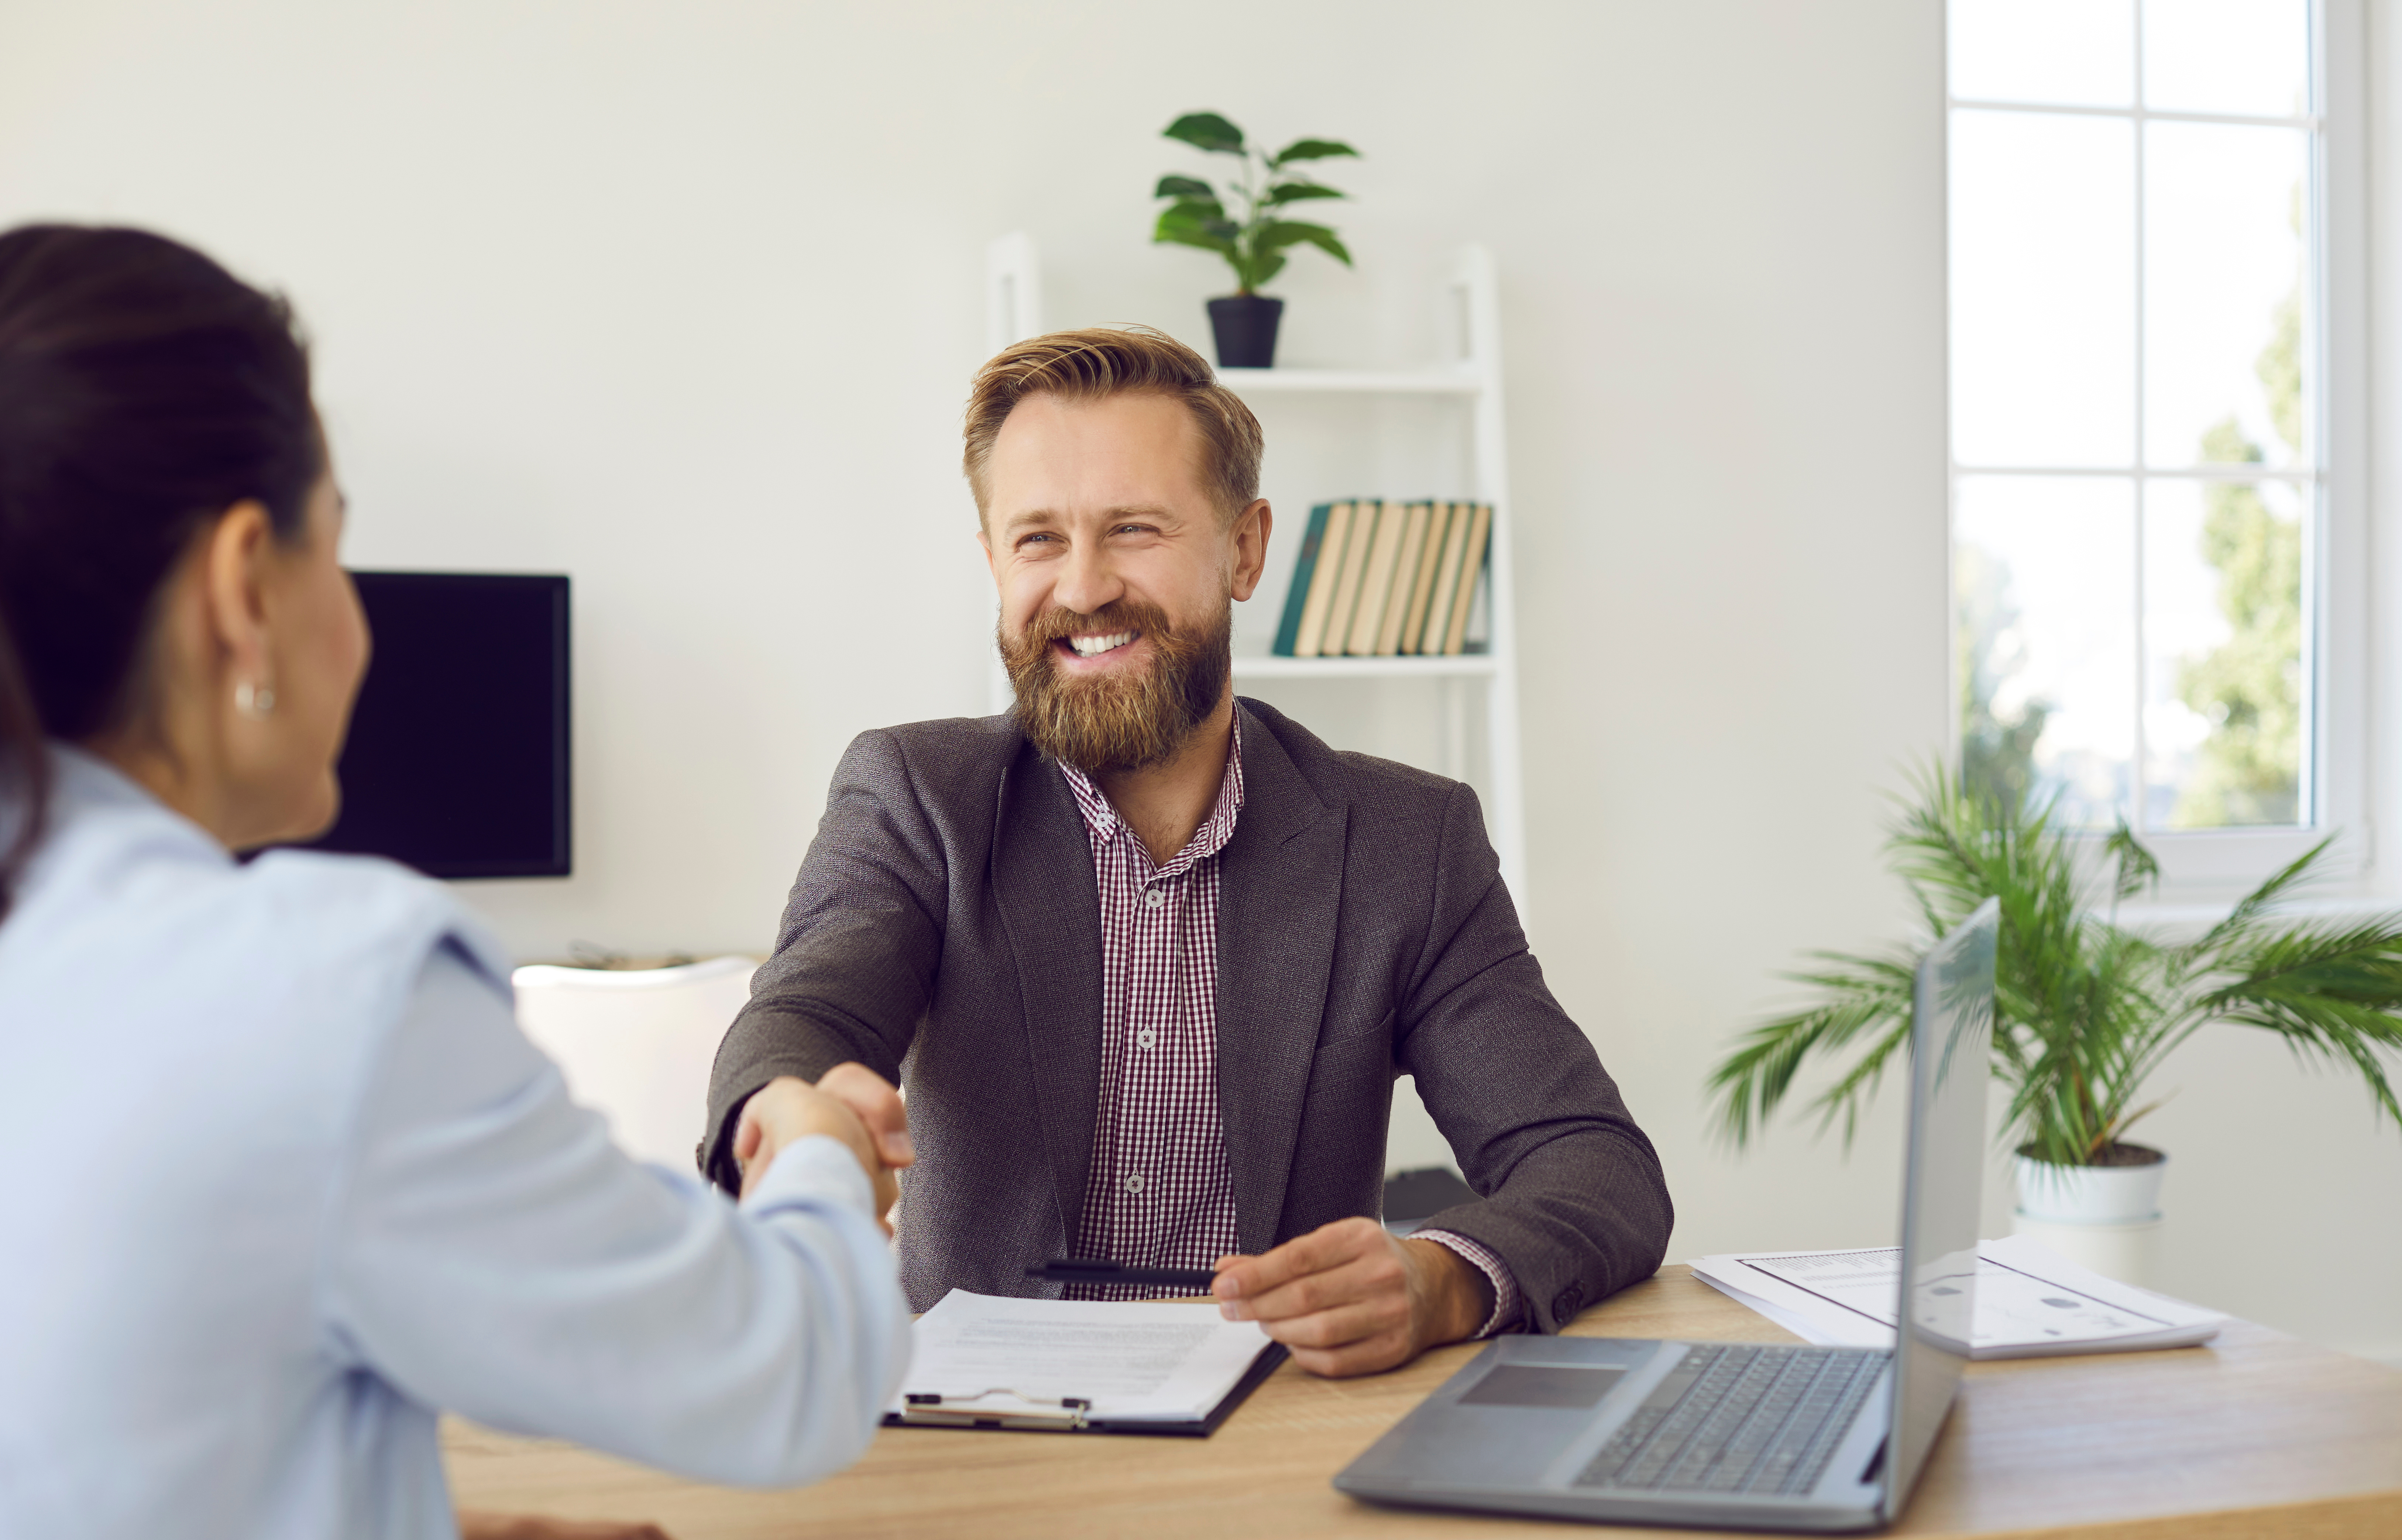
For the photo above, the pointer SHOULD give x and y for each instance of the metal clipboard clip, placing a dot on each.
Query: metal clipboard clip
(953, 1412)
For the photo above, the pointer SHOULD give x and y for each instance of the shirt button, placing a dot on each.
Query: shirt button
(1157, 897)
(1146, 1037)
(1134, 1183)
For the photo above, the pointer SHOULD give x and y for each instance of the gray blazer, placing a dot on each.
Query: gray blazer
(944, 931)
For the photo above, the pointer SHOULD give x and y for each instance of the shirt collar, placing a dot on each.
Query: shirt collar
(1102, 820)
(83, 785)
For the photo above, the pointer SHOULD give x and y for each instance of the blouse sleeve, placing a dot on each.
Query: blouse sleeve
(495, 1255)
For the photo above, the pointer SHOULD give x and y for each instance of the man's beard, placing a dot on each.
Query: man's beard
(1127, 719)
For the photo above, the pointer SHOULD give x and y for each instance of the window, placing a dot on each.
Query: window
(2140, 487)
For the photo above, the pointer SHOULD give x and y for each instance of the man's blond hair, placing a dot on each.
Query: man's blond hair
(1106, 361)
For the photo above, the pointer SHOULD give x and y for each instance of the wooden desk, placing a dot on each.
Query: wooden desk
(2255, 1433)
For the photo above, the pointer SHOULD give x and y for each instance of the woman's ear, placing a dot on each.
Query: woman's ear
(233, 601)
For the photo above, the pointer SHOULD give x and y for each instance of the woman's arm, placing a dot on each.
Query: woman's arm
(496, 1254)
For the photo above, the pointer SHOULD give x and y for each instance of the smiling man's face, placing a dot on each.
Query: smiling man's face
(1117, 573)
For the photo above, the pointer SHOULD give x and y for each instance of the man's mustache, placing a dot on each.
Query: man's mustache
(1057, 623)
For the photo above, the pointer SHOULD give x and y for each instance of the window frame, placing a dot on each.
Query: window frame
(2200, 864)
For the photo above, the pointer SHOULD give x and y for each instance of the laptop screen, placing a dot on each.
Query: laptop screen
(1951, 1041)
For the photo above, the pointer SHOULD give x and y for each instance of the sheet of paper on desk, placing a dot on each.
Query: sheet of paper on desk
(2031, 1301)
(1135, 1362)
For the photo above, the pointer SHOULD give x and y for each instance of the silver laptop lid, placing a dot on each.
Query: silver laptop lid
(1943, 1179)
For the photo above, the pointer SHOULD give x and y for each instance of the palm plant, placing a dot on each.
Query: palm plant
(2085, 1011)
(1253, 244)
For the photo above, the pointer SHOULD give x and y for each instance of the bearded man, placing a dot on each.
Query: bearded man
(1147, 958)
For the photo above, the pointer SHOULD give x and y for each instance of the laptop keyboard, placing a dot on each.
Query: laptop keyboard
(1760, 1420)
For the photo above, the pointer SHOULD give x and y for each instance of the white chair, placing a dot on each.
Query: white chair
(637, 1044)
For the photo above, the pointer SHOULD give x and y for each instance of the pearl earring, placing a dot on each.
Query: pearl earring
(255, 700)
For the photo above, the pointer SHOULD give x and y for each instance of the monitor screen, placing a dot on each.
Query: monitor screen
(457, 760)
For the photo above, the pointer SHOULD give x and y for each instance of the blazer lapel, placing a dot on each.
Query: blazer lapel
(1051, 908)
(1280, 891)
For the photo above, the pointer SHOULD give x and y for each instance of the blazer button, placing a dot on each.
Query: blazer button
(1566, 1303)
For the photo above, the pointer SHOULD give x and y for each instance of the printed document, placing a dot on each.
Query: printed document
(2030, 1301)
(1135, 1362)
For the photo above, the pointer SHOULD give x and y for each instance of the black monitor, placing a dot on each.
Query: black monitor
(457, 763)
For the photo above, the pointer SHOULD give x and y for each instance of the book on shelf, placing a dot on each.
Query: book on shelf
(1317, 594)
(1422, 575)
(1446, 584)
(1347, 578)
(1480, 531)
(1382, 578)
(1296, 597)
(1405, 566)
(1377, 580)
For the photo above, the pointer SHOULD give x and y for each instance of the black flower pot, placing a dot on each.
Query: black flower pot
(1246, 325)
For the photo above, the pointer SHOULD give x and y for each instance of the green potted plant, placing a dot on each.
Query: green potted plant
(2086, 1010)
(1253, 244)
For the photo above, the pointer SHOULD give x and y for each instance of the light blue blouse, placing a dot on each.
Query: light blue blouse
(284, 1179)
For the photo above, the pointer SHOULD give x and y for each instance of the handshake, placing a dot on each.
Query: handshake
(851, 1103)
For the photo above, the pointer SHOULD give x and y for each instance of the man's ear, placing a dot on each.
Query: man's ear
(233, 595)
(1251, 527)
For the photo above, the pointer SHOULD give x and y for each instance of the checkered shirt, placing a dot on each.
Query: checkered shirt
(1160, 1193)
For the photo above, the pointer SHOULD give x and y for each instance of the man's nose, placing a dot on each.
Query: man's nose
(1086, 582)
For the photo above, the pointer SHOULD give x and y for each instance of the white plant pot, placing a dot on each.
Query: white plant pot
(2106, 1218)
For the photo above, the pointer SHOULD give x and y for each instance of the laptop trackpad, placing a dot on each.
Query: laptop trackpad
(1509, 1415)
(1543, 1386)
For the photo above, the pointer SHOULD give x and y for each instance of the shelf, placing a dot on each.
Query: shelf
(1459, 666)
(1458, 381)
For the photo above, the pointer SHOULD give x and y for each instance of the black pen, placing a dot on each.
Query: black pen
(1084, 1270)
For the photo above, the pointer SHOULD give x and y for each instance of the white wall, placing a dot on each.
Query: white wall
(683, 300)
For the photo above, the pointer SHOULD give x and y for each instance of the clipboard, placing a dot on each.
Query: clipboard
(1074, 1413)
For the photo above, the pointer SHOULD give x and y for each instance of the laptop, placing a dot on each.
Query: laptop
(1740, 1435)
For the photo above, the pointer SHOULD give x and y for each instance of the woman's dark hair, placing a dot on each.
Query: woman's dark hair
(144, 391)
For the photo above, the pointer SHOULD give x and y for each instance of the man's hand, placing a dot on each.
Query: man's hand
(475, 1525)
(878, 1106)
(787, 1109)
(1349, 1298)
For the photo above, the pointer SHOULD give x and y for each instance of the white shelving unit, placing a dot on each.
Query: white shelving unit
(1014, 291)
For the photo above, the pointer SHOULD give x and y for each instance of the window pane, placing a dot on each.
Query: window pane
(2043, 289)
(2235, 56)
(2047, 614)
(2081, 52)
(2224, 698)
(2224, 261)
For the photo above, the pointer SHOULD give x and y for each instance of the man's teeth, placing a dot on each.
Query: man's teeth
(1094, 646)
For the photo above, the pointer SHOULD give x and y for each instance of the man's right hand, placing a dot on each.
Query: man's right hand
(878, 1106)
(788, 1109)
(876, 1130)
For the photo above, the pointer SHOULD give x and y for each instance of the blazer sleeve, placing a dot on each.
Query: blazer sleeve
(857, 951)
(1571, 1195)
